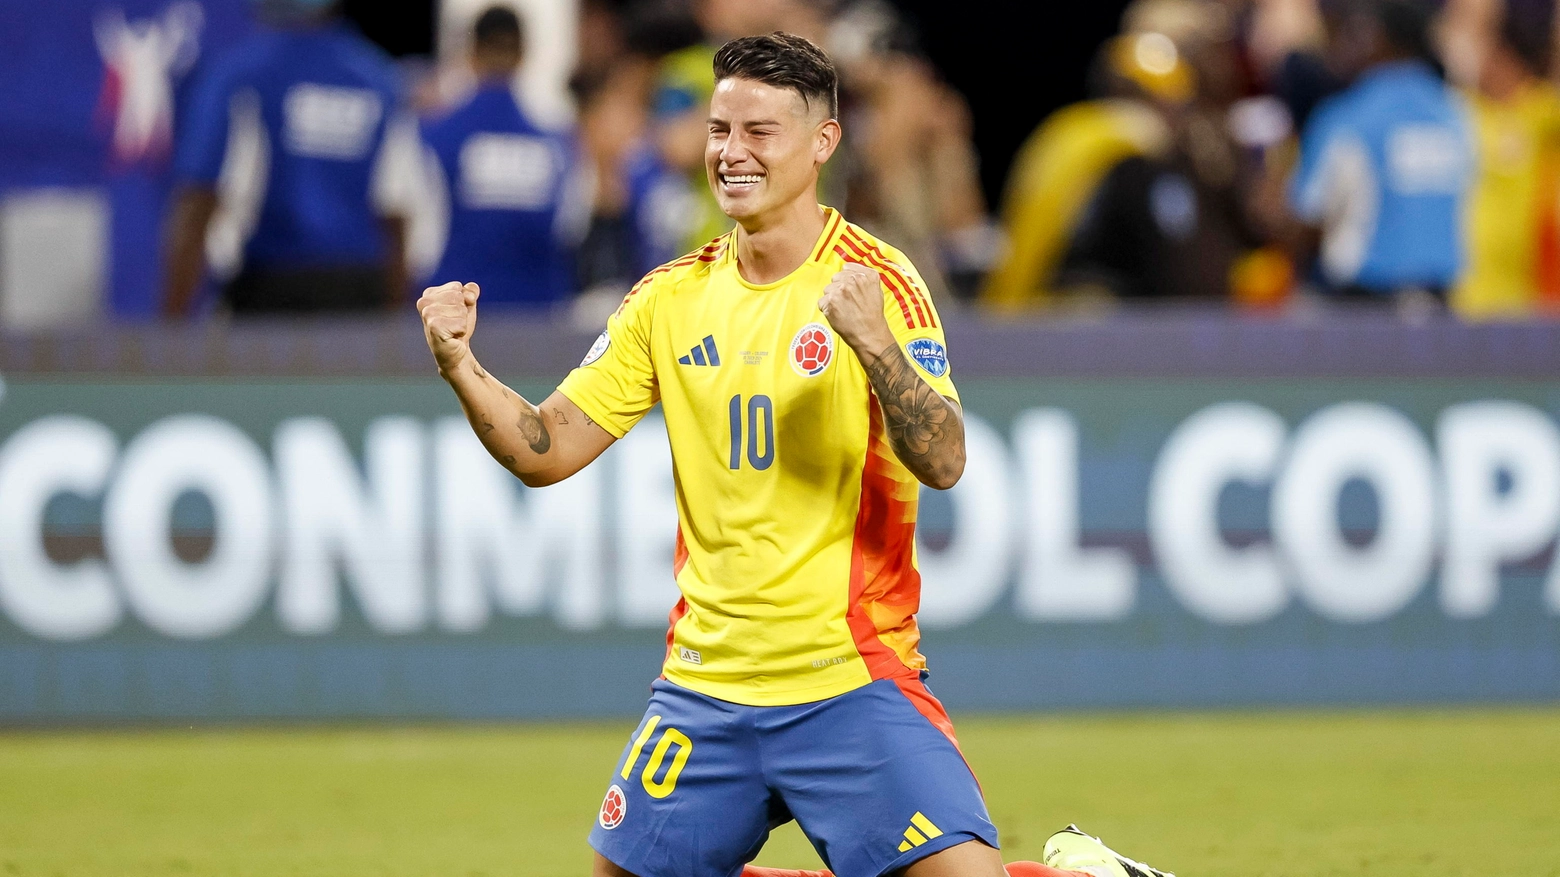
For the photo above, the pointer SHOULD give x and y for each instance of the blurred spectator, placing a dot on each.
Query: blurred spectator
(641, 209)
(1513, 232)
(909, 162)
(1134, 194)
(1057, 172)
(295, 159)
(1287, 41)
(1383, 164)
(1166, 226)
(601, 39)
(680, 108)
(513, 218)
(639, 206)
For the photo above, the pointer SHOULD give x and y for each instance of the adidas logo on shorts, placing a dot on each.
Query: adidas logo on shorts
(920, 831)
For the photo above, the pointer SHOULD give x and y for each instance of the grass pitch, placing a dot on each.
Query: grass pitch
(1212, 795)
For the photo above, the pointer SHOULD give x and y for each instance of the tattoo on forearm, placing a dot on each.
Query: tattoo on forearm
(920, 422)
(530, 424)
(534, 428)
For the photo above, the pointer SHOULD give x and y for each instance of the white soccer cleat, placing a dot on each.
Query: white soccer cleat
(1072, 850)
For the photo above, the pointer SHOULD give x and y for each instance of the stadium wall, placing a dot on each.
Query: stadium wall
(267, 522)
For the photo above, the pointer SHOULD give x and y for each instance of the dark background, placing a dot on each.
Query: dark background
(1015, 62)
(1012, 70)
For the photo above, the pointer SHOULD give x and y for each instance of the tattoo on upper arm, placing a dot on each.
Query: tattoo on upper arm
(534, 428)
(919, 420)
(487, 425)
(558, 416)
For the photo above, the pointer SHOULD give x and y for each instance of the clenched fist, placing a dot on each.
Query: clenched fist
(449, 316)
(853, 304)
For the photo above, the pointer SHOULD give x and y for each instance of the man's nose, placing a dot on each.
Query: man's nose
(734, 149)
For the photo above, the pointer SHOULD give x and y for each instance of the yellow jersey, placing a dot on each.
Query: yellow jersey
(1511, 212)
(796, 520)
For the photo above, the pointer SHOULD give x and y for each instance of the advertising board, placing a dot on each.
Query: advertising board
(275, 547)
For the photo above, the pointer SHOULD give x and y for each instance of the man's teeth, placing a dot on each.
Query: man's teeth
(742, 179)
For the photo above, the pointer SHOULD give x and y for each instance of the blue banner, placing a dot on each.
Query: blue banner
(91, 94)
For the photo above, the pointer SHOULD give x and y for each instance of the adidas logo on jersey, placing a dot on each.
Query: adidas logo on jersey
(920, 831)
(702, 354)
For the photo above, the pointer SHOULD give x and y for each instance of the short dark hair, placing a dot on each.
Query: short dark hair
(500, 26)
(1406, 25)
(784, 61)
(1526, 29)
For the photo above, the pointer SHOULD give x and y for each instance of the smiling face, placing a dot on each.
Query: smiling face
(765, 148)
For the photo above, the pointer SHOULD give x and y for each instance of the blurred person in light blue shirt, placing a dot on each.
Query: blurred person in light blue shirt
(515, 205)
(1385, 164)
(295, 163)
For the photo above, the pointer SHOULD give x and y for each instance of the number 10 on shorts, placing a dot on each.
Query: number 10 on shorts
(669, 737)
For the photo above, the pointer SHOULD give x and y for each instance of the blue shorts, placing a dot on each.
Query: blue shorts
(872, 776)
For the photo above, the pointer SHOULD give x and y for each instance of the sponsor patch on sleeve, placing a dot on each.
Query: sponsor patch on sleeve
(603, 341)
(929, 355)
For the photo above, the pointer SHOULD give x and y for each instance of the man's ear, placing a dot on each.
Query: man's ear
(827, 139)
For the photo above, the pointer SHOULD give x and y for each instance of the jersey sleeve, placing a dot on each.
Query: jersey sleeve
(914, 321)
(616, 385)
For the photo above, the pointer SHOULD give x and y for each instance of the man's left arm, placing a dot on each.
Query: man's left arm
(925, 428)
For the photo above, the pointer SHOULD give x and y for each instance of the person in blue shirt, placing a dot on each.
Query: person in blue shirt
(296, 168)
(515, 211)
(1385, 163)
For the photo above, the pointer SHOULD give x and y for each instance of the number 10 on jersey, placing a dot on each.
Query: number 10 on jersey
(760, 413)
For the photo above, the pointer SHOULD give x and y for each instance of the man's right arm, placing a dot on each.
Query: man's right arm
(541, 444)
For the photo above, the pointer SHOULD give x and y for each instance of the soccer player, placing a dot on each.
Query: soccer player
(802, 373)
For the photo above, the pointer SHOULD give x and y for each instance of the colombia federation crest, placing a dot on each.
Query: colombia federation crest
(812, 350)
(613, 808)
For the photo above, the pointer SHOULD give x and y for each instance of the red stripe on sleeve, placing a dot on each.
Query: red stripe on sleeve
(693, 258)
(823, 245)
(890, 265)
(711, 251)
(916, 292)
(886, 265)
(890, 276)
(861, 258)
